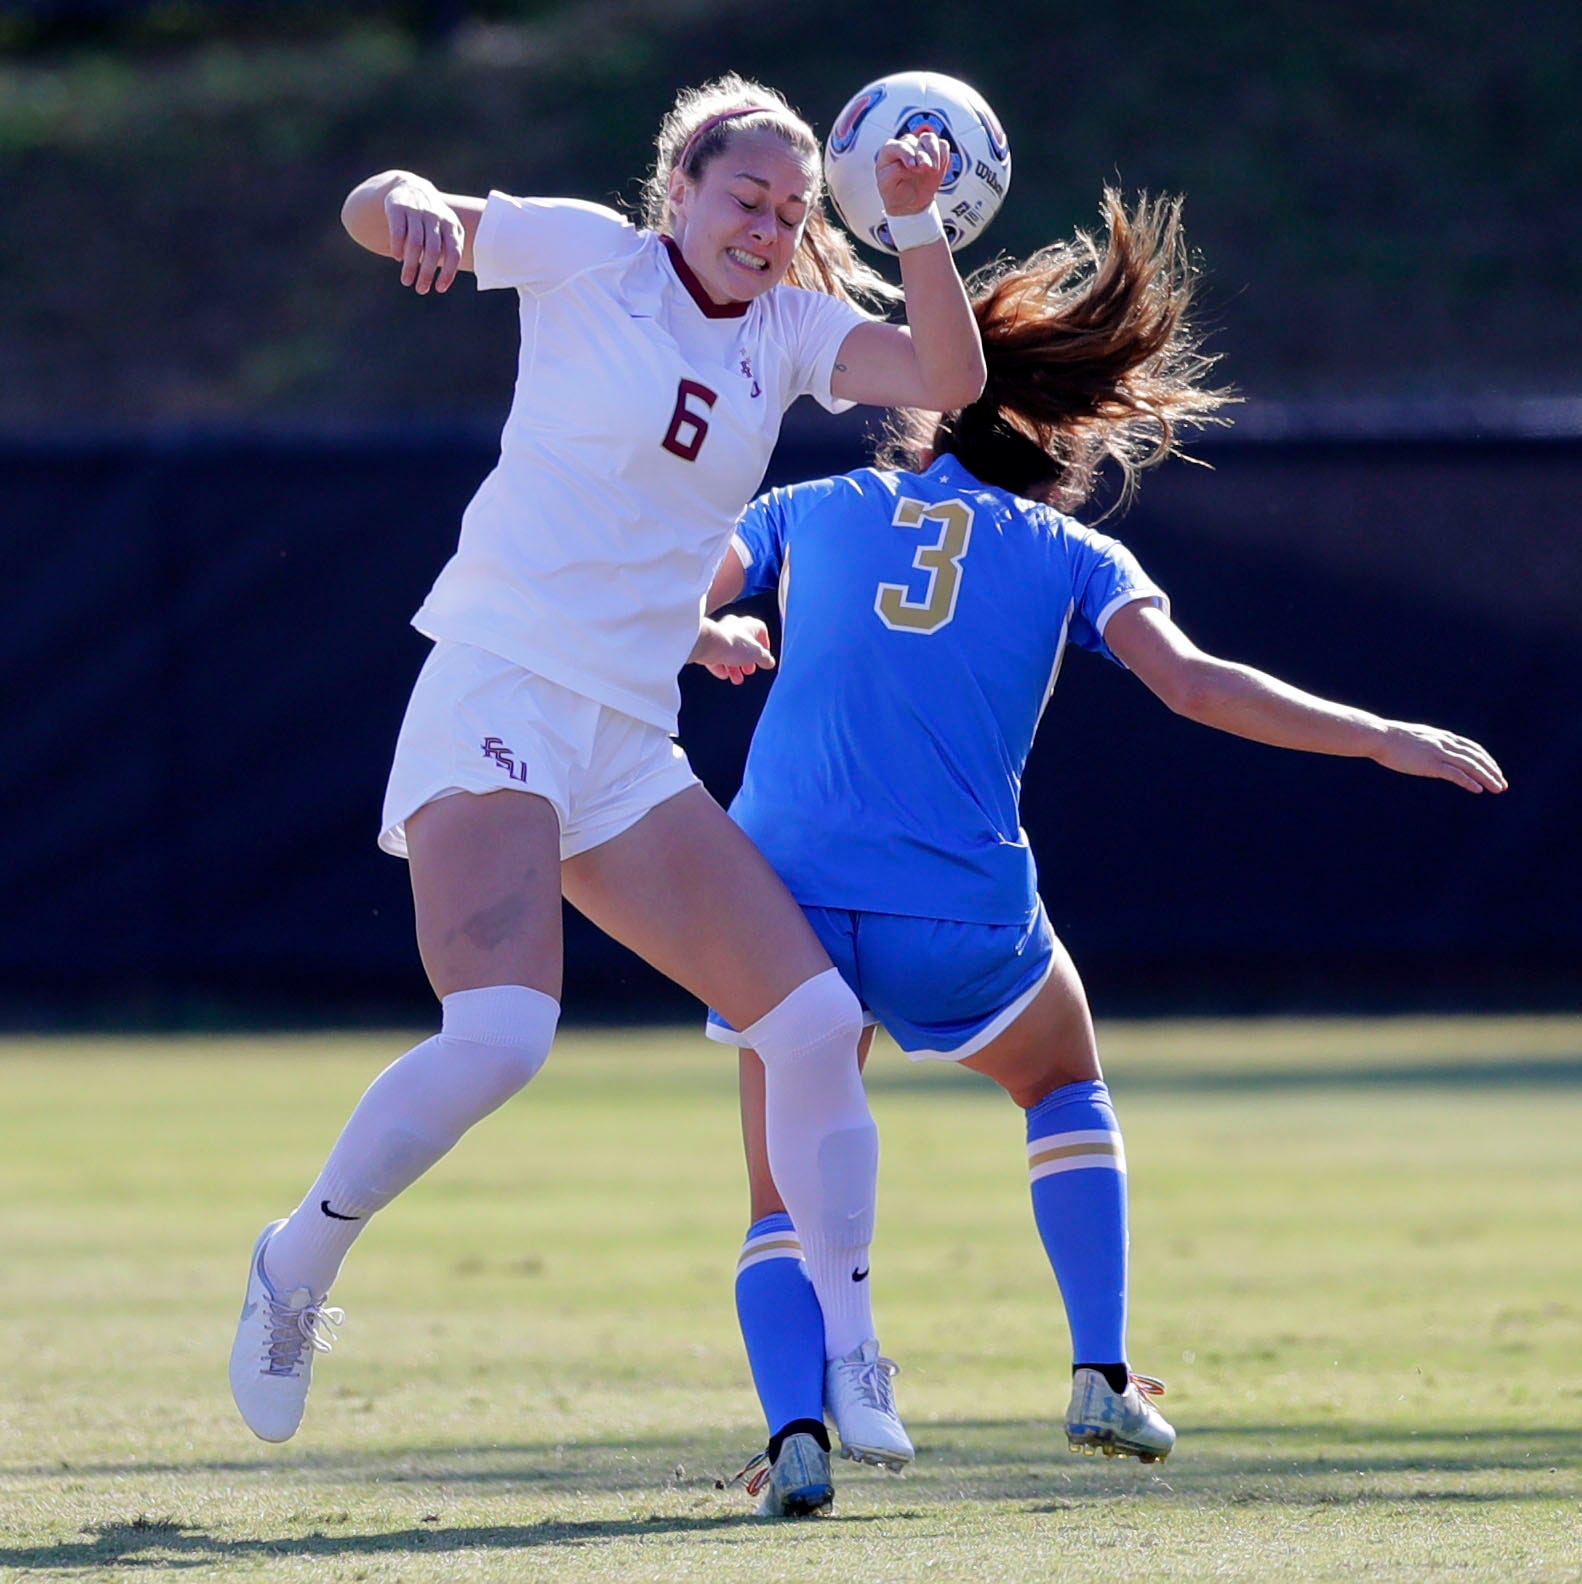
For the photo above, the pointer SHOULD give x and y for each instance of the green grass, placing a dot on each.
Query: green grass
(1356, 1262)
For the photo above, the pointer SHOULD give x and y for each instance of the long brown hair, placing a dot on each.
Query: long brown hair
(1091, 358)
(825, 259)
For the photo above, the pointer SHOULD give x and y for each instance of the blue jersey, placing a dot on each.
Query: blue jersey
(925, 616)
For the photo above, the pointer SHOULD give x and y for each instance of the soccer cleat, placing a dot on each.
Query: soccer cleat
(1118, 1424)
(859, 1398)
(272, 1357)
(796, 1485)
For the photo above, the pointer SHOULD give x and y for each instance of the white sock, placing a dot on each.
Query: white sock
(490, 1044)
(823, 1145)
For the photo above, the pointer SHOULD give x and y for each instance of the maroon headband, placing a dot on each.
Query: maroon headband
(709, 125)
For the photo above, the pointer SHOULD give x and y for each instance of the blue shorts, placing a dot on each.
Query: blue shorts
(942, 989)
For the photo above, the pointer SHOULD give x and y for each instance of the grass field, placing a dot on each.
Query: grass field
(1357, 1256)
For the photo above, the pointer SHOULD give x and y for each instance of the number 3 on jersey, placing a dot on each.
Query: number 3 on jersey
(941, 560)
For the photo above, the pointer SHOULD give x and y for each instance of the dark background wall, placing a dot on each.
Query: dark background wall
(233, 454)
(207, 661)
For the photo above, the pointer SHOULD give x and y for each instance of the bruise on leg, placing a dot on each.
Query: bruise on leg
(494, 924)
(486, 891)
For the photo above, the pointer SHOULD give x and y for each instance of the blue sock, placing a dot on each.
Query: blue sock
(1078, 1170)
(781, 1323)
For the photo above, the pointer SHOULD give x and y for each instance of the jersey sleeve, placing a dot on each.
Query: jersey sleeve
(1106, 576)
(759, 541)
(537, 243)
(818, 325)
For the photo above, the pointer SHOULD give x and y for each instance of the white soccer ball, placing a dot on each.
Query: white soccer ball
(980, 157)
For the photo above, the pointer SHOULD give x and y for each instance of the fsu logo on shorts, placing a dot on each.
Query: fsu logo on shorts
(494, 748)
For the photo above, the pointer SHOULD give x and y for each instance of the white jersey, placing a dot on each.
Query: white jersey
(642, 423)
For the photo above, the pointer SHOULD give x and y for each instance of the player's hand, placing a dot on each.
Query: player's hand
(733, 648)
(909, 170)
(1428, 751)
(425, 235)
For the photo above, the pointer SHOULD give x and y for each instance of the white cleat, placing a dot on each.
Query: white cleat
(272, 1357)
(859, 1398)
(796, 1485)
(1118, 1424)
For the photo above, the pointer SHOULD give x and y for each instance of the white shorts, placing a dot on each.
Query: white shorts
(477, 723)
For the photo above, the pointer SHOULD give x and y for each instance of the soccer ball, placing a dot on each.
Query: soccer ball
(980, 158)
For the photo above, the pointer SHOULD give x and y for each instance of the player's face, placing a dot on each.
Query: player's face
(739, 223)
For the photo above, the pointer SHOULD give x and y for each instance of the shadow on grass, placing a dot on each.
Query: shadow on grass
(1304, 1465)
(1005, 1463)
(977, 1457)
(166, 1544)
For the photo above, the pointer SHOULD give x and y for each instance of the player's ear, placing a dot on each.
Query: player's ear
(676, 199)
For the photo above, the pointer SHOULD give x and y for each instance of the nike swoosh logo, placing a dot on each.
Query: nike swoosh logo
(324, 1205)
(861, 1275)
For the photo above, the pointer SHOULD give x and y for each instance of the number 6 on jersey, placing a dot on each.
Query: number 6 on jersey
(941, 560)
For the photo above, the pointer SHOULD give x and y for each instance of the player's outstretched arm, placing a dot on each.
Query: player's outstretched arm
(402, 216)
(732, 648)
(937, 361)
(1238, 699)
